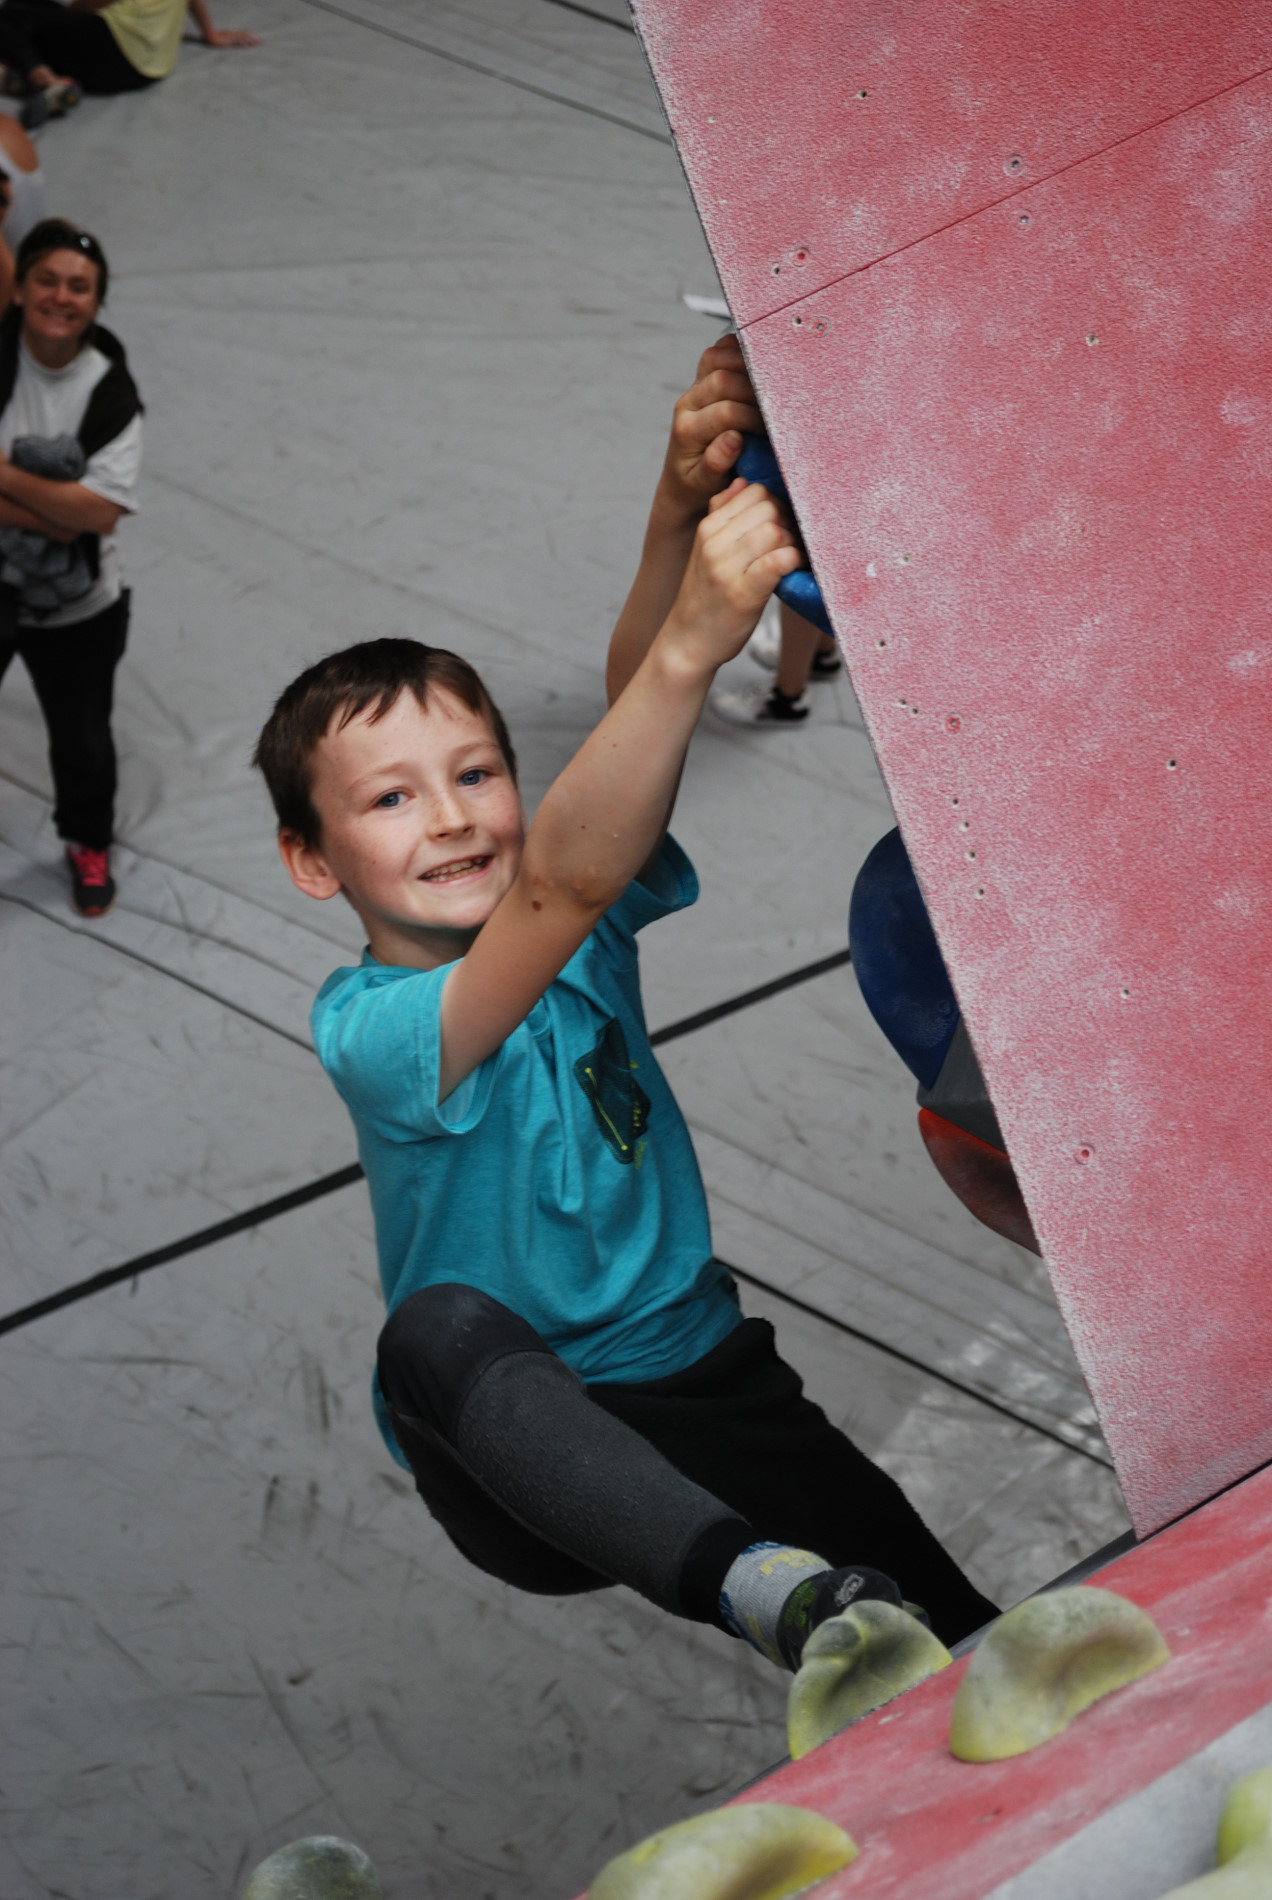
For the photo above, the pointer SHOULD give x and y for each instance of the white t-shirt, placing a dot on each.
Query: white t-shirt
(26, 201)
(52, 402)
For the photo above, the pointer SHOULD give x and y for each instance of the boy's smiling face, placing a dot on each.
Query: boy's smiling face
(422, 827)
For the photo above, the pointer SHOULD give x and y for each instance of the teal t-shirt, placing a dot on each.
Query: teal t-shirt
(559, 1176)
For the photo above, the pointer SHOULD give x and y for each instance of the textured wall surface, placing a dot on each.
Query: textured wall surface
(1002, 275)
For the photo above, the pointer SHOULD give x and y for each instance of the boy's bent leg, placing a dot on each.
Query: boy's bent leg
(458, 1367)
(738, 1423)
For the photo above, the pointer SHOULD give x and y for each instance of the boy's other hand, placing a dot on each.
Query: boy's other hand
(740, 553)
(707, 429)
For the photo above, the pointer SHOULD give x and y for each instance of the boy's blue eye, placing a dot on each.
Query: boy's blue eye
(473, 776)
(389, 801)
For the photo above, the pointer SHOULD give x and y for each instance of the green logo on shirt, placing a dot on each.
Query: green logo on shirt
(619, 1103)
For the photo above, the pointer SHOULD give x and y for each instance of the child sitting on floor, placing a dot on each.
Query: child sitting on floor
(565, 1368)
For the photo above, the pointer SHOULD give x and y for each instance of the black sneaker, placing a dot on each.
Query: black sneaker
(818, 1598)
(92, 886)
(759, 706)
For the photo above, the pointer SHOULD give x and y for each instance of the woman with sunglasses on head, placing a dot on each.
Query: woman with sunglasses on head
(70, 456)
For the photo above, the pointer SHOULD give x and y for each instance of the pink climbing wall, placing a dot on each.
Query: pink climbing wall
(1002, 273)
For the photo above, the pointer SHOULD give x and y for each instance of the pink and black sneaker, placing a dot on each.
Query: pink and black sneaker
(92, 886)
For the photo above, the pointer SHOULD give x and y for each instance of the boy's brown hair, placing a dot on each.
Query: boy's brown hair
(340, 688)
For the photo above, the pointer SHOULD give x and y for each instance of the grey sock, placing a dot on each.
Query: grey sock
(757, 1587)
(581, 1479)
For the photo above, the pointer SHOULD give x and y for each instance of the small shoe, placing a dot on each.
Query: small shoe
(759, 706)
(92, 886)
(765, 647)
(765, 644)
(827, 1595)
(50, 102)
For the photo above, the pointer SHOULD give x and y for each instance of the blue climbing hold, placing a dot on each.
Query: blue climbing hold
(898, 962)
(799, 591)
(758, 463)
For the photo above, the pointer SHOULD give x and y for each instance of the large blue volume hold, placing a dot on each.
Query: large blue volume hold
(898, 963)
(757, 463)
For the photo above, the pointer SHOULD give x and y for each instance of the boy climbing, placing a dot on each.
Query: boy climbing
(565, 1368)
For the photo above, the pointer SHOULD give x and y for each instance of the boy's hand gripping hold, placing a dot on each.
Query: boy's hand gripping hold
(740, 553)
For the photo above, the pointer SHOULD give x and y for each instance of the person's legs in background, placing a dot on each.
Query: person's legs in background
(51, 43)
(73, 672)
(800, 652)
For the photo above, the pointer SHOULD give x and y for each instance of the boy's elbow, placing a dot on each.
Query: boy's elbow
(582, 890)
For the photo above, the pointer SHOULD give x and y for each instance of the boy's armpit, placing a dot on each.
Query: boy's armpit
(669, 884)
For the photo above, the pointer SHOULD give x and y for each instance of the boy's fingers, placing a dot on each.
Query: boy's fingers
(723, 386)
(694, 428)
(724, 451)
(739, 507)
(760, 540)
(726, 495)
(777, 563)
(725, 352)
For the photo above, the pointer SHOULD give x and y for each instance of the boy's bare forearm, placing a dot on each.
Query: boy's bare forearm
(604, 815)
(592, 833)
(707, 427)
(668, 543)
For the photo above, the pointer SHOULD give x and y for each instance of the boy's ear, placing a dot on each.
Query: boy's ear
(306, 866)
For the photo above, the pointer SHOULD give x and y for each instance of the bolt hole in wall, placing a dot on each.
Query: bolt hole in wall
(1014, 164)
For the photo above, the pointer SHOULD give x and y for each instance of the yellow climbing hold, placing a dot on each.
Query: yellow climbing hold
(322, 1867)
(853, 1663)
(1043, 1663)
(1248, 1877)
(1245, 1845)
(1247, 1814)
(762, 1851)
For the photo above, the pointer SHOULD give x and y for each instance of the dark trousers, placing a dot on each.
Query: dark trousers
(73, 672)
(79, 45)
(736, 1423)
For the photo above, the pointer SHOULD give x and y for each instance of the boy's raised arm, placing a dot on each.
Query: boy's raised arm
(706, 438)
(603, 815)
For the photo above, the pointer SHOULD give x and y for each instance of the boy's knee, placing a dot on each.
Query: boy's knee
(436, 1345)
